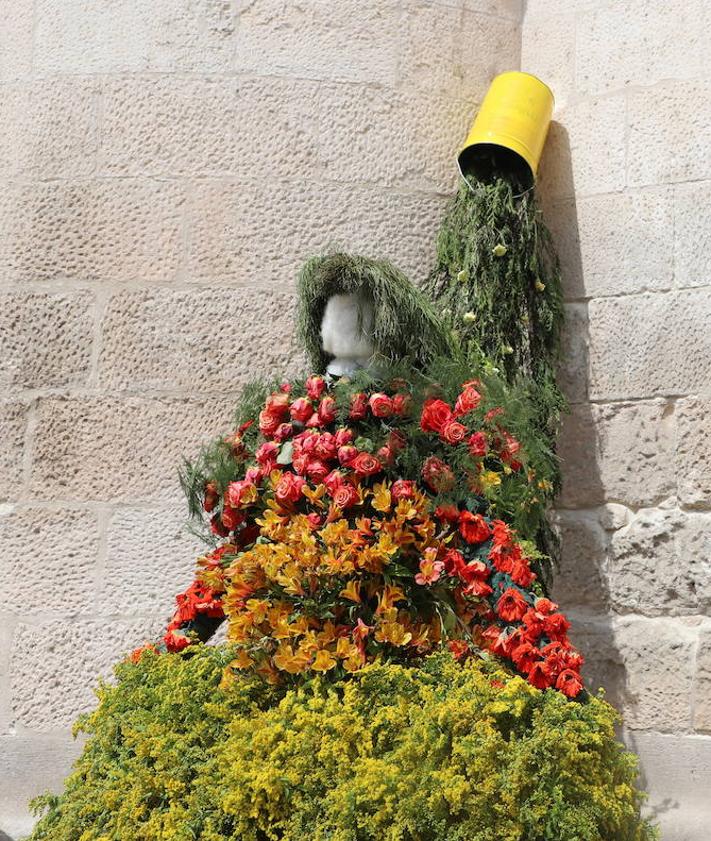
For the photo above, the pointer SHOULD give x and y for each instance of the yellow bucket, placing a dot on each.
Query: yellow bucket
(513, 118)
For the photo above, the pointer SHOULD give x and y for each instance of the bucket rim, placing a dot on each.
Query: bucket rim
(530, 75)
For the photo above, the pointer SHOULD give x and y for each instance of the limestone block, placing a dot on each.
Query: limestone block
(186, 126)
(615, 244)
(548, 51)
(110, 36)
(694, 551)
(49, 128)
(90, 230)
(150, 558)
(7, 624)
(45, 339)
(692, 234)
(13, 421)
(693, 452)
(48, 561)
(486, 46)
(702, 684)
(582, 577)
(676, 773)
(251, 233)
(512, 9)
(669, 128)
(649, 345)
(55, 666)
(384, 137)
(585, 150)
(120, 450)
(648, 573)
(573, 371)
(354, 40)
(16, 44)
(160, 339)
(640, 43)
(621, 452)
(31, 765)
(645, 665)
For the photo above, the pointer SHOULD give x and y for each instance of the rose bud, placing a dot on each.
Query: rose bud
(346, 454)
(326, 446)
(359, 406)
(315, 386)
(334, 480)
(301, 410)
(211, 497)
(343, 436)
(283, 432)
(314, 422)
(386, 455)
(467, 401)
(277, 404)
(477, 444)
(327, 410)
(437, 475)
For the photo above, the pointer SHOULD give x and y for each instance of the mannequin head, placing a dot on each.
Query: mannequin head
(347, 332)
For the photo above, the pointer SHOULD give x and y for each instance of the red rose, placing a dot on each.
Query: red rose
(359, 406)
(346, 454)
(345, 496)
(317, 470)
(277, 405)
(403, 489)
(255, 475)
(283, 432)
(210, 497)
(231, 518)
(326, 447)
(512, 605)
(402, 405)
(315, 386)
(267, 453)
(467, 401)
(386, 455)
(453, 432)
(366, 464)
(493, 413)
(473, 527)
(314, 421)
(314, 520)
(569, 683)
(268, 423)
(343, 436)
(289, 488)
(301, 410)
(477, 444)
(437, 475)
(435, 413)
(380, 405)
(327, 410)
(240, 493)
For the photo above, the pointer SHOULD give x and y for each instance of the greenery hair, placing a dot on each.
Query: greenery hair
(405, 324)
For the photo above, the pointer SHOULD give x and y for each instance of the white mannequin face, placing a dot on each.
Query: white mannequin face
(346, 333)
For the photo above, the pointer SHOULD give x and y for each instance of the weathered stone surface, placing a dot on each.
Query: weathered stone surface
(650, 345)
(383, 137)
(7, 624)
(55, 666)
(49, 128)
(16, 43)
(13, 421)
(582, 577)
(48, 561)
(694, 552)
(548, 51)
(512, 9)
(127, 450)
(676, 773)
(585, 150)
(309, 42)
(702, 683)
(486, 47)
(150, 556)
(692, 234)
(111, 36)
(693, 451)
(648, 573)
(90, 230)
(263, 234)
(615, 244)
(640, 43)
(45, 339)
(669, 130)
(258, 128)
(645, 665)
(573, 371)
(619, 452)
(158, 340)
(31, 765)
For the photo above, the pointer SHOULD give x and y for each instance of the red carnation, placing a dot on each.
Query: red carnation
(435, 414)
(380, 405)
(525, 656)
(477, 445)
(437, 475)
(359, 406)
(454, 562)
(512, 605)
(473, 527)
(366, 464)
(175, 641)
(545, 606)
(556, 626)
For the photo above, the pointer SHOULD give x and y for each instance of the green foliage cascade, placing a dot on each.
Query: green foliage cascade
(462, 753)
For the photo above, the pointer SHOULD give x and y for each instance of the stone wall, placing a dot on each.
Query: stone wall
(626, 182)
(165, 167)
